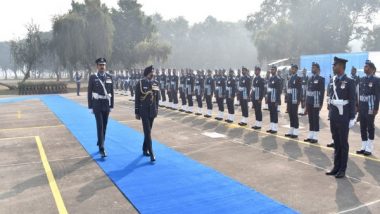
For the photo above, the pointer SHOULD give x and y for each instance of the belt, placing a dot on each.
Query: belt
(96, 96)
(270, 89)
(363, 98)
(311, 93)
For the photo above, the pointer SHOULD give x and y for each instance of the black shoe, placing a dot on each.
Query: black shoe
(367, 153)
(273, 132)
(331, 145)
(313, 141)
(242, 124)
(269, 131)
(340, 175)
(181, 110)
(207, 116)
(307, 140)
(146, 153)
(360, 152)
(294, 136)
(218, 118)
(103, 153)
(152, 158)
(332, 172)
(189, 112)
(198, 114)
(256, 128)
(288, 135)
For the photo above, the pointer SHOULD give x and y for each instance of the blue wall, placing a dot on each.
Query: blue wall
(326, 61)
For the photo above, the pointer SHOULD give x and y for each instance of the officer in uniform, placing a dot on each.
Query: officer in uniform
(273, 99)
(208, 93)
(199, 90)
(237, 80)
(174, 89)
(189, 86)
(100, 100)
(257, 95)
(342, 116)
(244, 89)
(162, 81)
(267, 77)
(182, 89)
(230, 96)
(146, 108)
(369, 96)
(356, 78)
(220, 90)
(305, 80)
(314, 102)
(78, 78)
(293, 99)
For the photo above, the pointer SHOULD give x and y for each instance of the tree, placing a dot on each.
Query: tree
(372, 41)
(27, 53)
(5, 58)
(310, 27)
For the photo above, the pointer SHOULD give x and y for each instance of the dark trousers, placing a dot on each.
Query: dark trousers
(339, 131)
(163, 96)
(190, 100)
(183, 97)
(209, 102)
(174, 96)
(273, 112)
(78, 88)
(230, 105)
(147, 126)
(313, 114)
(244, 107)
(220, 102)
(199, 101)
(101, 118)
(132, 89)
(258, 111)
(170, 92)
(293, 114)
(367, 125)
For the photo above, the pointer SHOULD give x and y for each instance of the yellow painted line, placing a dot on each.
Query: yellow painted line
(229, 125)
(49, 173)
(32, 127)
(18, 114)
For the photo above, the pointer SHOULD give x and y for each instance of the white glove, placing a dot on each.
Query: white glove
(91, 111)
(111, 110)
(352, 123)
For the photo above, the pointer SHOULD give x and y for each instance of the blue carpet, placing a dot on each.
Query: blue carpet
(174, 184)
(18, 99)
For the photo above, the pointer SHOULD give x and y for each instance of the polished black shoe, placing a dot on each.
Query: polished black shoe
(332, 173)
(331, 145)
(198, 114)
(103, 153)
(152, 158)
(242, 124)
(273, 132)
(313, 141)
(360, 152)
(307, 140)
(218, 118)
(294, 136)
(367, 153)
(256, 127)
(189, 112)
(269, 131)
(340, 175)
(181, 110)
(207, 116)
(288, 135)
(146, 153)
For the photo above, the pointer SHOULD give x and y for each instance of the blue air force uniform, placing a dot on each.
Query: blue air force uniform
(244, 90)
(78, 78)
(293, 99)
(162, 81)
(258, 93)
(199, 86)
(208, 93)
(273, 98)
(230, 96)
(189, 90)
(220, 90)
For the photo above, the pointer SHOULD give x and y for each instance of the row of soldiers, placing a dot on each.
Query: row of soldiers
(263, 92)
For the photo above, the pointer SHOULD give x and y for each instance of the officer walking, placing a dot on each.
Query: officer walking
(244, 89)
(293, 99)
(208, 93)
(273, 99)
(101, 100)
(230, 96)
(314, 102)
(257, 97)
(146, 108)
(199, 90)
(342, 116)
(369, 96)
(78, 78)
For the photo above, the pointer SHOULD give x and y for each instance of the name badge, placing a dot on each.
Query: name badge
(370, 84)
(343, 86)
(108, 81)
(315, 81)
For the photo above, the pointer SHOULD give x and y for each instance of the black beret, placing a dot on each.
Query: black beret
(370, 64)
(244, 69)
(273, 67)
(294, 66)
(338, 60)
(148, 70)
(257, 68)
(101, 61)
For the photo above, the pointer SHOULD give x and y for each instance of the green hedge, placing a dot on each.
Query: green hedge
(27, 88)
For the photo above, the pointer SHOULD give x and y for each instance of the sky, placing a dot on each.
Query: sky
(41, 12)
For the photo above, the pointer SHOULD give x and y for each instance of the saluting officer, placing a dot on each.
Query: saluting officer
(146, 108)
(257, 97)
(305, 80)
(189, 86)
(100, 100)
(369, 96)
(199, 90)
(293, 99)
(208, 93)
(342, 116)
(314, 101)
(220, 90)
(244, 89)
(230, 96)
(273, 99)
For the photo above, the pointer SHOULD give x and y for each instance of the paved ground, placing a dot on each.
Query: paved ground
(289, 171)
